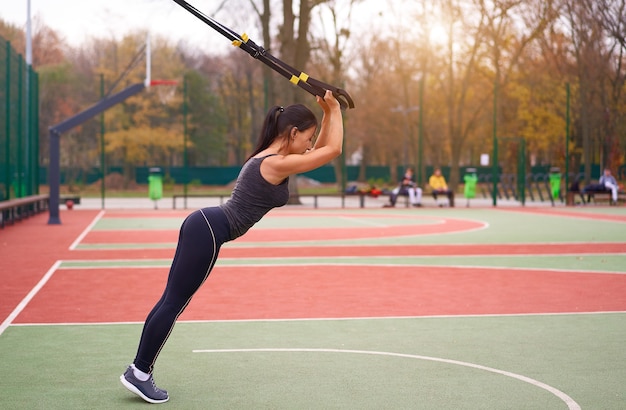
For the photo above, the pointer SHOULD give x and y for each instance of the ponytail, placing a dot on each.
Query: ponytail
(279, 119)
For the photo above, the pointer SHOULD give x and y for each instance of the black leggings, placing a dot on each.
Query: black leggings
(201, 235)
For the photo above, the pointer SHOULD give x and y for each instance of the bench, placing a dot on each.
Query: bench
(425, 192)
(593, 196)
(343, 196)
(449, 197)
(16, 209)
(428, 191)
(361, 195)
(603, 196)
(220, 196)
(405, 195)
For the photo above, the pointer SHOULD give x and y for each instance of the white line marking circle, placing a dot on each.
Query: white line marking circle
(571, 404)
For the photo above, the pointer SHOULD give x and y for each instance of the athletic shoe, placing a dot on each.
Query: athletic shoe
(146, 390)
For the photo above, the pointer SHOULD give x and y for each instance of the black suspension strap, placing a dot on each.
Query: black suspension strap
(299, 78)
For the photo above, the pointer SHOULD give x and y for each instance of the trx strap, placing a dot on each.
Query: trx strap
(299, 78)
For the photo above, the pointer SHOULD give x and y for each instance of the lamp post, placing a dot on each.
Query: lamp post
(567, 120)
(494, 165)
(102, 146)
(185, 136)
(420, 135)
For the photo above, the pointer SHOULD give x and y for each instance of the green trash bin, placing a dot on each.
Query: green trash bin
(19, 190)
(155, 185)
(555, 182)
(471, 179)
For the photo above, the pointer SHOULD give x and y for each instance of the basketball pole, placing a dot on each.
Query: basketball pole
(148, 62)
(102, 146)
(55, 132)
(567, 105)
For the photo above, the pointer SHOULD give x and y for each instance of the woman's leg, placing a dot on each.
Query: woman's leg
(411, 193)
(393, 197)
(201, 236)
(614, 190)
(450, 194)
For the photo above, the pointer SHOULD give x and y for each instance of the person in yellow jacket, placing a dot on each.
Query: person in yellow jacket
(439, 186)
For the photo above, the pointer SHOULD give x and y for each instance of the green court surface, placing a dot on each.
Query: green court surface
(609, 263)
(503, 362)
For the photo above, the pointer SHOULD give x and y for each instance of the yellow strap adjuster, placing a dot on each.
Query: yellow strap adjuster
(302, 77)
(244, 39)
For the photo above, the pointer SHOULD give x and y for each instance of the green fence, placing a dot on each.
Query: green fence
(19, 124)
(325, 174)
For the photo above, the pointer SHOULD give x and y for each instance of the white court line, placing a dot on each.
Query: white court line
(86, 231)
(571, 404)
(586, 216)
(331, 319)
(18, 309)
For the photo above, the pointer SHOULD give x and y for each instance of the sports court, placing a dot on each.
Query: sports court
(453, 308)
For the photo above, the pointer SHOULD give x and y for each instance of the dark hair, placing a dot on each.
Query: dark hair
(279, 121)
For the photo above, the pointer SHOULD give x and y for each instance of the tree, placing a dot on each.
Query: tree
(265, 16)
(493, 37)
(207, 123)
(293, 48)
(330, 52)
(590, 54)
(374, 134)
(13, 34)
(458, 69)
(142, 130)
(610, 17)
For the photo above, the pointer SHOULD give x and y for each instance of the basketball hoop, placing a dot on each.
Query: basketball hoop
(166, 89)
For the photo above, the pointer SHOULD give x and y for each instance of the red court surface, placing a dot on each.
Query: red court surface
(283, 292)
(30, 247)
(257, 292)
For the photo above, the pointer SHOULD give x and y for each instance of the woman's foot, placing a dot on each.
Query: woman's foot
(147, 390)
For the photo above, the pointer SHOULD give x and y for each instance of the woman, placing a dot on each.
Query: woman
(284, 148)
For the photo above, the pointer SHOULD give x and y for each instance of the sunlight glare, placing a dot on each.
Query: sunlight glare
(438, 35)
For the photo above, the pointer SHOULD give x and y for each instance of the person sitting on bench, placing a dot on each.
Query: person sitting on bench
(610, 183)
(606, 183)
(407, 186)
(439, 186)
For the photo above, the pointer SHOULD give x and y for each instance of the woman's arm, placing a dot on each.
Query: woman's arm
(322, 137)
(327, 147)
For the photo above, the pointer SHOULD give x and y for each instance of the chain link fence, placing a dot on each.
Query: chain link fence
(19, 124)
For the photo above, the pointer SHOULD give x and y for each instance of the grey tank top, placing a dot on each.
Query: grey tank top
(252, 198)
